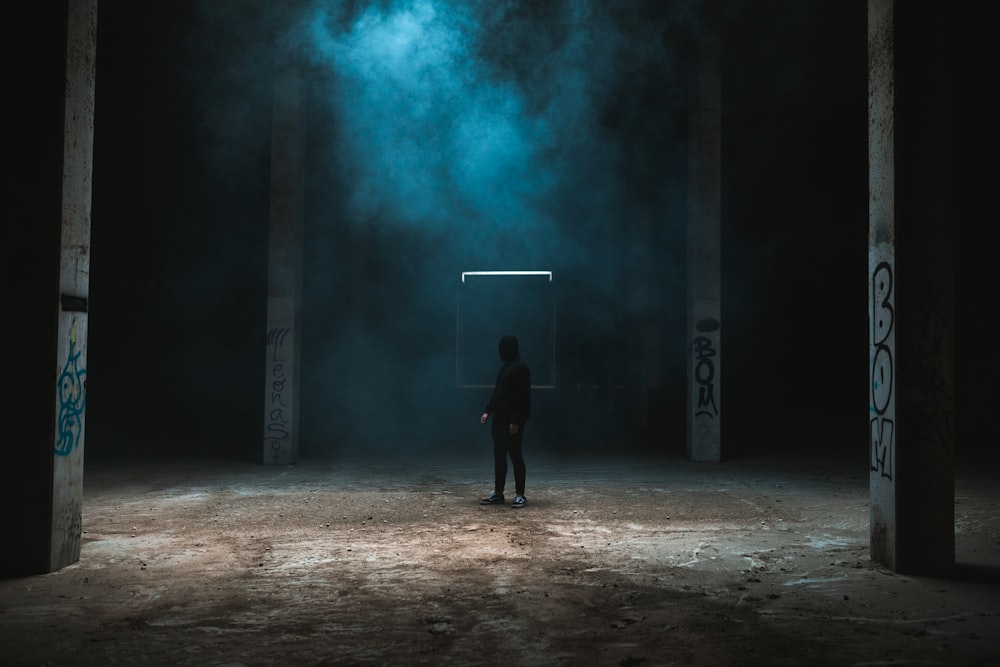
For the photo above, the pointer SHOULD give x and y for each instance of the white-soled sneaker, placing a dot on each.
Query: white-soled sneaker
(519, 501)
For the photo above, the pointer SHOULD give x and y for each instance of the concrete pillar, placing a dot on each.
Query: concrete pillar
(284, 330)
(911, 296)
(74, 284)
(704, 318)
(46, 285)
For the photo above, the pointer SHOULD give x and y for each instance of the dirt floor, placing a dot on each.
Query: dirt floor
(758, 562)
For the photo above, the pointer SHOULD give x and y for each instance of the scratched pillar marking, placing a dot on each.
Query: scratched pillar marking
(704, 362)
(281, 370)
(280, 391)
(74, 285)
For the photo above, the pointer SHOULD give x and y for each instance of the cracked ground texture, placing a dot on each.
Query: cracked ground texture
(653, 562)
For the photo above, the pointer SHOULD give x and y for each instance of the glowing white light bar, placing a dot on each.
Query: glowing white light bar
(506, 273)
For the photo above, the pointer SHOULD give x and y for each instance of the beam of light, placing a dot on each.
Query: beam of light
(506, 273)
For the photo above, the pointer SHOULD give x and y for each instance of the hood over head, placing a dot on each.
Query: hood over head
(508, 348)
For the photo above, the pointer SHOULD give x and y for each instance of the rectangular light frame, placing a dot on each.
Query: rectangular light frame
(458, 327)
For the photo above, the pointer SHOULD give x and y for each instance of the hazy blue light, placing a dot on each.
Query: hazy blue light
(430, 136)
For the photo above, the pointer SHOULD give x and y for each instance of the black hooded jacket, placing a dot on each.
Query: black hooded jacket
(511, 399)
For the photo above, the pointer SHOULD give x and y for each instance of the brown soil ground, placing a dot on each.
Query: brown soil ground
(759, 562)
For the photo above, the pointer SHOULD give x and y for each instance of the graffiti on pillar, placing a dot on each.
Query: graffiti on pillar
(72, 390)
(704, 371)
(882, 372)
(69, 524)
(277, 429)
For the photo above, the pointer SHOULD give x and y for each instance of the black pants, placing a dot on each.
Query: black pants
(505, 444)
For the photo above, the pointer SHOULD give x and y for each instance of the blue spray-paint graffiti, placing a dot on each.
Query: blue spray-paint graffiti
(882, 422)
(72, 388)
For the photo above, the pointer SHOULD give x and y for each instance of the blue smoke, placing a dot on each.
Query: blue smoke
(430, 136)
(470, 135)
(477, 119)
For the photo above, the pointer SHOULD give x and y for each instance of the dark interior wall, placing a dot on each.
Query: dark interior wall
(795, 207)
(181, 215)
(182, 141)
(975, 142)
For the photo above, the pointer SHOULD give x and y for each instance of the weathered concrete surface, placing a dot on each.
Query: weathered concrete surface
(612, 563)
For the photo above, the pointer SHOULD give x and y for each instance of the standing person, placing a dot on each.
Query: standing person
(510, 406)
